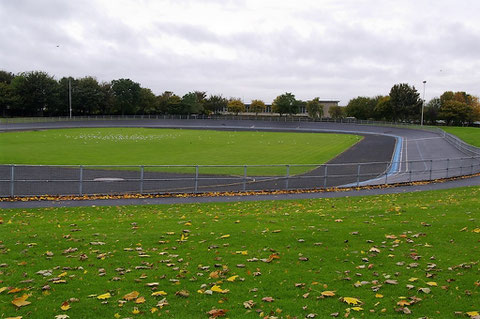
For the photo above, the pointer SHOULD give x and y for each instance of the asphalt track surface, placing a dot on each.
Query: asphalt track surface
(394, 150)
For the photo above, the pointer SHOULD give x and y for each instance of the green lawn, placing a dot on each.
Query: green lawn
(140, 146)
(419, 249)
(471, 135)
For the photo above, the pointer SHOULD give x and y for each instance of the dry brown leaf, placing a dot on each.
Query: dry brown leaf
(214, 313)
(131, 296)
(140, 300)
(328, 293)
(21, 301)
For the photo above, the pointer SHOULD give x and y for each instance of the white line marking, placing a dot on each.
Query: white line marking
(426, 138)
(421, 156)
(406, 155)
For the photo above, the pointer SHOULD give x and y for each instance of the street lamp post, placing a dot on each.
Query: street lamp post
(70, 95)
(423, 102)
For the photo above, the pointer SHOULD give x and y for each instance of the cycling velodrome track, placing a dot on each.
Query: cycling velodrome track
(395, 155)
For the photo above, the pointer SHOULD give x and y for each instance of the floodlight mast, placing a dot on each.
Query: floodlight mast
(70, 95)
(423, 102)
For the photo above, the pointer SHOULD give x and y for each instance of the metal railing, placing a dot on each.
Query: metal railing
(36, 180)
(259, 117)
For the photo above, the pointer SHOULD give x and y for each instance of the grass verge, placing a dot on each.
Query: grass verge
(385, 255)
(470, 135)
(140, 146)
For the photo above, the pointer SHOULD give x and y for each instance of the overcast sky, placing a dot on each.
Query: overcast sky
(254, 49)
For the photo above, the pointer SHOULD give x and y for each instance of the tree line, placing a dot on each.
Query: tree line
(405, 105)
(37, 93)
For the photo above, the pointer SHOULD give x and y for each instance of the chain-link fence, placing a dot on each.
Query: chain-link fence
(29, 180)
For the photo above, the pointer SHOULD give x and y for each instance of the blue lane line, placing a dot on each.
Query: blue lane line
(396, 156)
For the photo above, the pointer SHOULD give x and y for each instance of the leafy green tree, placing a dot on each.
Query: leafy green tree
(6, 98)
(201, 99)
(455, 112)
(432, 111)
(315, 108)
(6, 77)
(191, 104)
(383, 109)
(336, 112)
(361, 107)
(108, 99)
(459, 108)
(127, 94)
(35, 93)
(215, 104)
(147, 103)
(235, 106)
(405, 101)
(257, 106)
(88, 96)
(169, 103)
(285, 104)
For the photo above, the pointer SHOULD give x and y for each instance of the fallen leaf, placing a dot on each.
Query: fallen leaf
(232, 278)
(268, 299)
(140, 300)
(131, 296)
(224, 236)
(162, 303)
(217, 288)
(104, 296)
(65, 306)
(403, 303)
(328, 293)
(159, 293)
(182, 293)
(248, 304)
(214, 313)
(424, 290)
(351, 301)
(21, 301)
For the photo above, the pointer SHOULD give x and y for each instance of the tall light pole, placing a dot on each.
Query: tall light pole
(70, 95)
(423, 102)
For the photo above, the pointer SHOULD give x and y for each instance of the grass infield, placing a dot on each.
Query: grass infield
(376, 257)
(141, 146)
(470, 135)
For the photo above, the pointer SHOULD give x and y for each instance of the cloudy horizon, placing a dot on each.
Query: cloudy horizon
(250, 49)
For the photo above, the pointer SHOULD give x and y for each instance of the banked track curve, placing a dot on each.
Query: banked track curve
(402, 147)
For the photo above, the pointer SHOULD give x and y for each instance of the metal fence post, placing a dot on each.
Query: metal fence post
(244, 177)
(410, 177)
(431, 168)
(80, 181)
(287, 176)
(386, 178)
(12, 180)
(448, 166)
(196, 178)
(141, 179)
(325, 173)
(358, 175)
